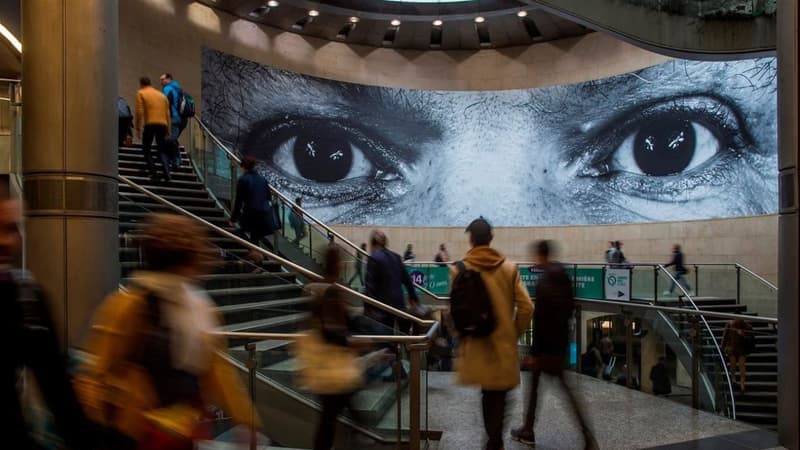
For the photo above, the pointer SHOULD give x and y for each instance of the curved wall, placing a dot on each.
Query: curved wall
(168, 35)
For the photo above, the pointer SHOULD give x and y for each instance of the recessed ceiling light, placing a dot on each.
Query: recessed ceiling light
(522, 13)
(479, 19)
(354, 19)
(395, 23)
(437, 23)
(313, 13)
(273, 3)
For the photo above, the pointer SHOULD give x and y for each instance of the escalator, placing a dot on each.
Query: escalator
(690, 29)
(263, 298)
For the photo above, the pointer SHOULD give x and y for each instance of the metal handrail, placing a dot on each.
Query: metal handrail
(677, 310)
(758, 277)
(360, 338)
(711, 334)
(308, 273)
(306, 215)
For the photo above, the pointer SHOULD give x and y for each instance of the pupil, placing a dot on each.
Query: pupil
(664, 147)
(323, 160)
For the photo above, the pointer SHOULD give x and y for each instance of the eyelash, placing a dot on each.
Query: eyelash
(267, 136)
(716, 114)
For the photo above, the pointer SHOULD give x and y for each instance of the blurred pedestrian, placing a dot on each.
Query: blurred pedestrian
(252, 207)
(554, 309)
(27, 329)
(152, 122)
(492, 362)
(386, 277)
(296, 220)
(679, 273)
(659, 375)
(592, 361)
(738, 341)
(156, 368)
(442, 257)
(359, 272)
(408, 255)
(329, 359)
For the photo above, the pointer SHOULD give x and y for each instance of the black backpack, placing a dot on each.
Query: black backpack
(470, 305)
(185, 105)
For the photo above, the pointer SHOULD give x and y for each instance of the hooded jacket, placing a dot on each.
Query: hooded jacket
(492, 362)
(172, 91)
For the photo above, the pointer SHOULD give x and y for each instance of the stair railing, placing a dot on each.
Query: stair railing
(307, 217)
(415, 344)
(707, 329)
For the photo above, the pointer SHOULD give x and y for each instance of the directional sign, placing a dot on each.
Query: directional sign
(618, 284)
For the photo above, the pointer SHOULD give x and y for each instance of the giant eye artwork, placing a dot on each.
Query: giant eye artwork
(683, 140)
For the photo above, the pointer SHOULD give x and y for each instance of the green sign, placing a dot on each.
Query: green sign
(588, 282)
(433, 278)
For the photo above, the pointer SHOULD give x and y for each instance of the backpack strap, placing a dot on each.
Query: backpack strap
(460, 266)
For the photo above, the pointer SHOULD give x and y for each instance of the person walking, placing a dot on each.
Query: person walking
(335, 379)
(386, 277)
(125, 118)
(408, 255)
(252, 207)
(152, 122)
(27, 328)
(296, 220)
(679, 273)
(659, 375)
(555, 305)
(738, 341)
(492, 362)
(442, 257)
(173, 91)
(155, 367)
(359, 272)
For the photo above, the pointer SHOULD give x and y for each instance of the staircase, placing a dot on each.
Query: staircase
(759, 404)
(251, 299)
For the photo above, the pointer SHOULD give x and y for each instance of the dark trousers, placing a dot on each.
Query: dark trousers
(178, 126)
(494, 413)
(332, 405)
(530, 413)
(159, 132)
(124, 129)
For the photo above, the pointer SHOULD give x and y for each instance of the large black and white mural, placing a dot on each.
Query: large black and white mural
(678, 141)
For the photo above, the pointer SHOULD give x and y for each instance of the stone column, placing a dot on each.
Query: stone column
(788, 269)
(69, 154)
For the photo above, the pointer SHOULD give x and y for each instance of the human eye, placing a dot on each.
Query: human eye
(668, 149)
(330, 161)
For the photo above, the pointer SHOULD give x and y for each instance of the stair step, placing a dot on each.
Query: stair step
(147, 183)
(248, 312)
(138, 165)
(179, 175)
(138, 217)
(202, 211)
(266, 324)
(227, 281)
(226, 268)
(269, 304)
(169, 190)
(137, 197)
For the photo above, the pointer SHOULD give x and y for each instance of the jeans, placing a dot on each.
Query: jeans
(178, 125)
(494, 412)
(680, 278)
(159, 132)
(332, 405)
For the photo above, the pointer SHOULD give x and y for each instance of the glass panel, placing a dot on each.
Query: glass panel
(760, 297)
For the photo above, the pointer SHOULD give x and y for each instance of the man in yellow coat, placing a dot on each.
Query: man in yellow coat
(492, 362)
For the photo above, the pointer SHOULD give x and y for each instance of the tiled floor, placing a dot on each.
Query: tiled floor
(620, 419)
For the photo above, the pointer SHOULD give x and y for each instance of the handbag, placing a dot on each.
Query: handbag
(327, 368)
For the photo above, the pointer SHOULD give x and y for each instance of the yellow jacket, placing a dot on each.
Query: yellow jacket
(492, 362)
(152, 108)
(118, 393)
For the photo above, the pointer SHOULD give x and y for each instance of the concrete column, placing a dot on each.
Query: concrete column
(69, 154)
(788, 268)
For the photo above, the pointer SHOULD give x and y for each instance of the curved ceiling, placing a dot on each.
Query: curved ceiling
(445, 25)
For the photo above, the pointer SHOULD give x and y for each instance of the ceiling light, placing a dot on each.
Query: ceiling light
(313, 13)
(479, 19)
(522, 13)
(354, 19)
(395, 23)
(273, 3)
(437, 23)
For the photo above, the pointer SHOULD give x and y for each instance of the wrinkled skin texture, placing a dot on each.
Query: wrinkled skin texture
(590, 153)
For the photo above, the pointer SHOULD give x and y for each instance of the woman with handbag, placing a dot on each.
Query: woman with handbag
(330, 364)
(156, 369)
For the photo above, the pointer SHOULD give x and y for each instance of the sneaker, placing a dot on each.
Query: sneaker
(524, 436)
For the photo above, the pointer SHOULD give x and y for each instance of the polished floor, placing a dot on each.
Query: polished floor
(620, 419)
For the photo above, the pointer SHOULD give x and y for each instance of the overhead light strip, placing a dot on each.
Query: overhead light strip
(10, 38)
